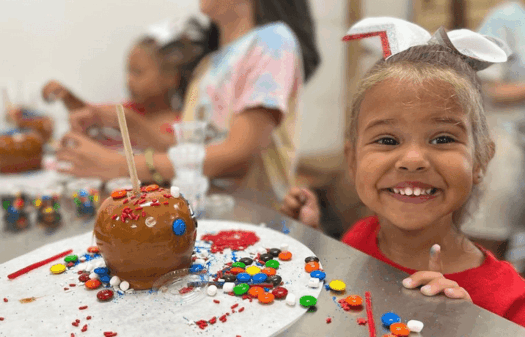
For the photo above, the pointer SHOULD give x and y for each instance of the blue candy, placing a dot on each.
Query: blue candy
(243, 277)
(101, 271)
(195, 268)
(259, 278)
(104, 279)
(83, 193)
(390, 318)
(179, 227)
(318, 274)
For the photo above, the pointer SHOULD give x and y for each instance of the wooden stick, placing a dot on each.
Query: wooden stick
(127, 149)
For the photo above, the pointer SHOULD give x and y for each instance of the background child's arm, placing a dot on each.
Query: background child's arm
(505, 92)
(54, 90)
(302, 204)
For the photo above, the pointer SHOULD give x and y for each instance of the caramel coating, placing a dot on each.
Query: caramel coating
(20, 155)
(140, 254)
(41, 124)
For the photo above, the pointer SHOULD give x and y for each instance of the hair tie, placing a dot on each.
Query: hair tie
(398, 35)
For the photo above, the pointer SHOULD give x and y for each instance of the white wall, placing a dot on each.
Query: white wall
(84, 45)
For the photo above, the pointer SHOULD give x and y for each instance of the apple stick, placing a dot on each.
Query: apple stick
(127, 149)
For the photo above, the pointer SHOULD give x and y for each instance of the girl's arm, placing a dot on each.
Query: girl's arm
(505, 93)
(54, 90)
(250, 132)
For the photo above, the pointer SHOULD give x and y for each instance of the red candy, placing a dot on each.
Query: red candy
(84, 277)
(328, 320)
(280, 293)
(6, 300)
(105, 295)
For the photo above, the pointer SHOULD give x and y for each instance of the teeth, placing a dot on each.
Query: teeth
(396, 190)
(417, 191)
(408, 191)
(429, 191)
(402, 192)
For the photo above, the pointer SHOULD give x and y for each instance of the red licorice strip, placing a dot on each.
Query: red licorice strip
(234, 239)
(38, 264)
(369, 314)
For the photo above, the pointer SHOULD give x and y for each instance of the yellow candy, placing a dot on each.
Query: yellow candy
(58, 268)
(38, 203)
(337, 285)
(252, 270)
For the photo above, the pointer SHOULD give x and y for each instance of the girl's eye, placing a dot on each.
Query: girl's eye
(442, 140)
(387, 141)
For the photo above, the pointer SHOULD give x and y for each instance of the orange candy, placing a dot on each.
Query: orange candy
(93, 284)
(119, 194)
(236, 270)
(269, 271)
(311, 266)
(93, 249)
(266, 298)
(389, 335)
(285, 256)
(354, 300)
(399, 329)
(151, 188)
(255, 292)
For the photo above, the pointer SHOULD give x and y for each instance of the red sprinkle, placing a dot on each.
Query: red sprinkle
(77, 320)
(138, 208)
(235, 305)
(167, 196)
(143, 214)
(328, 320)
(74, 324)
(154, 200)
(6, 300)
(114, 216)
(109, 334)
(88, 318)
(72, 335)
(241, 309)
(216, 301)
(155, 204)
(84, 328)
(72, 285)
(1, 318)
(213, 320)
(141, 201)
(166, 202)
(83, 308)
(66, 288)
(185, 290)
(125, 201)
(80, 272)
(136, 202)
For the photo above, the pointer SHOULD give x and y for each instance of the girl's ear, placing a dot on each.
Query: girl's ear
(479, 170)
(350, 160)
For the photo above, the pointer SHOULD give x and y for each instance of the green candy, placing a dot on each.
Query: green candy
(241, 289)
(272, 264)
(71, 258)
(239, 264)
(308, 301)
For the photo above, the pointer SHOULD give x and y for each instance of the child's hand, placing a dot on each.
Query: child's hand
(14, 114)
(301, 204)
(83, 119)
(434, 281)
(53, 91)
(90, 159)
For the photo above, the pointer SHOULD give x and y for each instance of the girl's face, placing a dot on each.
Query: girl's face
(413, 161)
(145, 79)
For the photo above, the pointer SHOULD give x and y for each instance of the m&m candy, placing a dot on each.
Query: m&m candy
(58, 268)
(93, 284)
(285, 256)
(311, 266)
(105, 295)
(118, 194)
(272, 264)
(255, 291)
(280, 292)
(354, 300)
(308, 301)
(399, 329)
(337, 285)
(390, 318)
(252, 270)
(241, 289)
(266, 298)
(269, 271)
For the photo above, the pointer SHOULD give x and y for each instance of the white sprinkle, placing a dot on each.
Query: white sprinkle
(212, 290)
(130, 291)
(313, 283)
(115, 281)
(175, 191)
(290, 299)
(220, 280)
(415, 326)
(93, 276)
(146, 204)
(82, 259)
(261, 250)
(284, 246)
(228, 287)
(150, 221)
(200, 261)
(124, 285)
(262, 224)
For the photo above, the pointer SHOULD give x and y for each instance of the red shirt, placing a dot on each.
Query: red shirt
(494, 286)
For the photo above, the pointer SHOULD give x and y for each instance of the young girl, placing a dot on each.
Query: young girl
(248, 88)
(418, 145)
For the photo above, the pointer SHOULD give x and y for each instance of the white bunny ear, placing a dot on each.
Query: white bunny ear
(396, 34)
(166, 31)
(480, 51)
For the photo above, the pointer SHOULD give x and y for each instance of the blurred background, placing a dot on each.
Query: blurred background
(83, 44)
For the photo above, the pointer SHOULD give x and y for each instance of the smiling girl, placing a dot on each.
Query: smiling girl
(418, 145)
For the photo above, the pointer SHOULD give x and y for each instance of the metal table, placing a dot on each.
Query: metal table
(442, 316)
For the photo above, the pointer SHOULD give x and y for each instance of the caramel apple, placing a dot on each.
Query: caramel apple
(142, 237)
(20, 151)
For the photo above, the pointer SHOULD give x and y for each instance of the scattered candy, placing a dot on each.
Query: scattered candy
(6, 300)
(179, 227)
(280, 293)
(337, 285)
(266, 298)
(255, 291)
(104, 279)
(238, 264)
(101, 271)
(275, 280)
(58, 268)
(311, 266)
(115, 281)
(71, 258)
(390, 318)
(237, 270)
(246, 260)
(284, 246)
(105, 295)
(321, 275)
(415, 326)
(265, 257)
(269, 271)
(361, 321)
(244, 277)
(93, 284)
(229, 278)
(290, 299)
(212, 290)
(274, 251)
(241, 289)
(93, 250)
(354, 300)
(272, 264)
(399, 329)
(195, 268)
(308, 301)
(124, 285)
(83, 307)
(328, 320)
(228, 287)
(151, 188)
(313, 282)
(233, 239)
(259, 278)
(252, 270)
(311, 259)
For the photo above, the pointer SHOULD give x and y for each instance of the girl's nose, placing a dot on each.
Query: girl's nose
(413, 159)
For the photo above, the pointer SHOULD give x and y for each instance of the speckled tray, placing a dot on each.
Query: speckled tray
(144, 313)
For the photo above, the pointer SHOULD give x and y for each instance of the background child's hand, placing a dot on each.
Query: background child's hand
(14, 114)
(53, 91)
(83, 119)
(434, 281)
(301, 204)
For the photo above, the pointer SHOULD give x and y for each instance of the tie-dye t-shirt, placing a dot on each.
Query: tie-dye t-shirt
(262, 69)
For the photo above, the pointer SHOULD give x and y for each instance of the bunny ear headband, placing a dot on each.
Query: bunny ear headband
(398, 35)
(173, 29)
